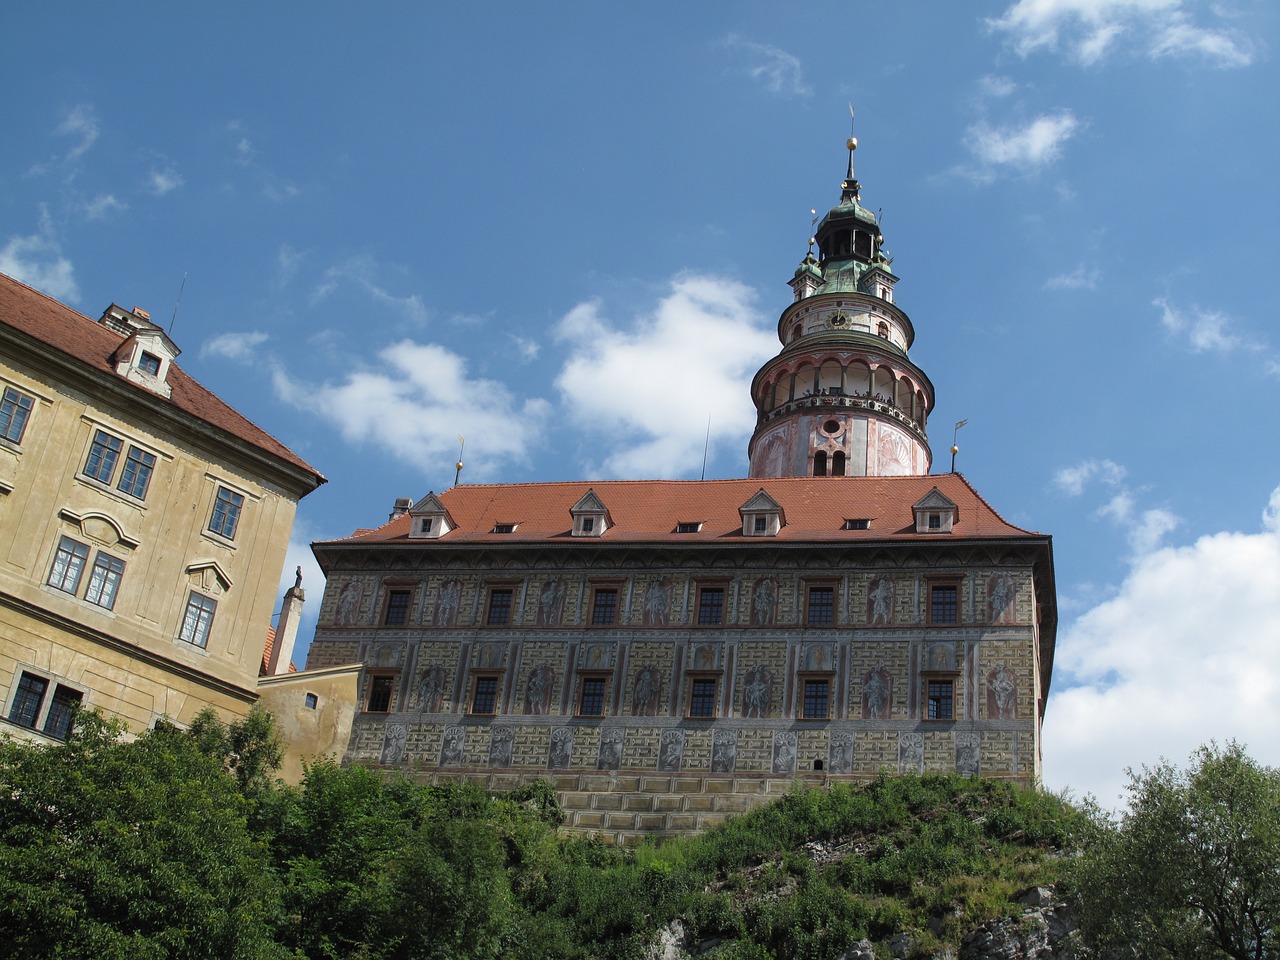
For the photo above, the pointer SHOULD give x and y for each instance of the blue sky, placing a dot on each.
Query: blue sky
(565, 232)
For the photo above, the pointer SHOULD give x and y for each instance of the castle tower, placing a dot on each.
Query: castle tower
(842, 398)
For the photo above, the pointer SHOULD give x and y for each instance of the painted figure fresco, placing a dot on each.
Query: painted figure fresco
(349, 601)
(609, 756)
(431, 688)
(671, 751)
(550, 603)
(877, 694)
(395, 743)
(1002, 693)
(561, 755)
(501, 741)
(911, 753)
(724, 751)
(646, 693)
(1001, 593)
(968, 754)
(757, 692)
(453, 750)
(447, 602)
(657, 602)
(880, 601)
(784, 752)
(764, 603)
(537, 691)
(840, 752)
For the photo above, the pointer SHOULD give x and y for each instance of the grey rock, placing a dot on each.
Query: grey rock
(862, 950)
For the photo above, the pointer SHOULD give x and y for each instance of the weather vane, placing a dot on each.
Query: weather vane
(457, 467)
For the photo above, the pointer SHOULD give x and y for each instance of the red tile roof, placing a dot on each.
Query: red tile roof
(265, 667)
(56, 325)
(814, 509)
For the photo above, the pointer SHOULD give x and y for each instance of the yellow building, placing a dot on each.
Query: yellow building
(143, 524)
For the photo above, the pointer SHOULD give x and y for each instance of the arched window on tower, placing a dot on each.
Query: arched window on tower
(820, 463)
(837, 464)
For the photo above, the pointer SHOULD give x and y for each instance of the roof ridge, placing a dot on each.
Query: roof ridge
(987, 504)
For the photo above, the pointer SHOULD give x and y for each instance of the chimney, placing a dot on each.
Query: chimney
(287, 628)
(401, 508)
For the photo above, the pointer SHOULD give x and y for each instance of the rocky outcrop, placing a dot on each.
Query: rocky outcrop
(1042, 931)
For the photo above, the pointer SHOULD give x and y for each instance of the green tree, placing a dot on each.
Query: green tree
(1192, 870)
(128, 848)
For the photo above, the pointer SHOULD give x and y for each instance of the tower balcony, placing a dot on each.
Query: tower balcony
(832, 399)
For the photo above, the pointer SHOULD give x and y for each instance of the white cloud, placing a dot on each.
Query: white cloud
(101, 205)
(82, 123)
(707, 339)
(163, 180)
(1081, 278)
(1203, 330)
(1144, 529)
(1183, 653)
(1073, 480)
(244, 150)
(1025, 148)
(775, 69)
(526, 347)
(241, 347)
(361, 271)
(995, 87)
(287, 262)
(37, 261)
(416, 401)
(1089, 30)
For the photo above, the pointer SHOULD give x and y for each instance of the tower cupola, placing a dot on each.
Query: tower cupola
(842, 398)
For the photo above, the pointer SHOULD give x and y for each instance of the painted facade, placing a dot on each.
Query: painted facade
(143, 524)
(668, 653)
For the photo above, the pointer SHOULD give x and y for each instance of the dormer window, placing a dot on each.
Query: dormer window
(857, 523)
(761, 516)
(505, 527)
(149, 363)
(428, 519)
(689, 526)
(935, 513)
(590, 517)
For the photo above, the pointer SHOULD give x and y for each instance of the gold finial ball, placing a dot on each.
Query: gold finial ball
(852, 143)
(954, 449)
(458, 464)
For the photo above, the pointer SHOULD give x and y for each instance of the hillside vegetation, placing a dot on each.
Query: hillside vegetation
(178, 844)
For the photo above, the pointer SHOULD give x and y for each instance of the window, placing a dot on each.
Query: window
(15, 408)
(604, 606)
(68, 565)
(499, 608)
(710, 606)
(689, 526)
(837, 463)
(397, 614)
(857, 524)
(816, 700)
(149, 363)
(588, 524)
(941, 700)
(702, 698)
(197, 621)
(820, 463)
(104, 580)
(136, 476)
(591, 698)
(380, 689)
(31, 710)
(935, 521)
(103, 454)
(822, 602)
(761, 524)
(485, 698)
(27, 700)
(504, 528)
(943, 607)
(226, 513)
(311, 701)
